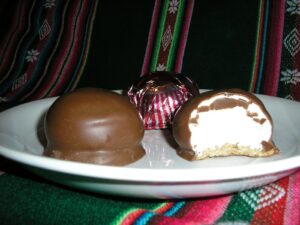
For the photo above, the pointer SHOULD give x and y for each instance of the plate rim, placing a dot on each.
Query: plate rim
(145, 175)
(165, 175)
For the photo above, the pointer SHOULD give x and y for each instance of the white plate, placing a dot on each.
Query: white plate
(161, 173)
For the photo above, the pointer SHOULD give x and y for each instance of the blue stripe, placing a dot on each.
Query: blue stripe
(143, 219)
(174, 208)
(263, 48)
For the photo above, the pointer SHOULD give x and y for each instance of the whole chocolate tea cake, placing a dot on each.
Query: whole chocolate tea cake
(94, 126)
(223, 123)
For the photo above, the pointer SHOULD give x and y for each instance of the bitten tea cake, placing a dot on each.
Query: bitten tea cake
(223, 123)
(94, 126)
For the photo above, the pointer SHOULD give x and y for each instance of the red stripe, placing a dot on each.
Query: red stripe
(87, 46)
(176, 100)
(170, 102)
(292, 210)
(158, 112)
(184, 35)
(133, 216)
(75, 51)
(153, 119)
(180, 99)
(143, 110)
(151, 37)
(273, 60)
(273, 212)
(164, 208)
(162, 109)
(58, 66)
(145, 115)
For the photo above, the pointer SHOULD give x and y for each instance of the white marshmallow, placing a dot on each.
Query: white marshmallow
(214, 128)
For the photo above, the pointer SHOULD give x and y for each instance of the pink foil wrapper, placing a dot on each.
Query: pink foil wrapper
(158, 95)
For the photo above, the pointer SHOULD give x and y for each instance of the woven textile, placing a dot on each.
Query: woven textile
(276, 203)
(276, 63)
(26, 199)
(44, 51)
(167, 36)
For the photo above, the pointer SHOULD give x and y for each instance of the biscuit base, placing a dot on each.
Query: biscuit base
(227, 150)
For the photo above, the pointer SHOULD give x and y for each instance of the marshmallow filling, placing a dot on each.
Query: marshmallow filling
(242, 125)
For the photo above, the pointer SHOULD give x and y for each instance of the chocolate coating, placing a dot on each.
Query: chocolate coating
(94, 126)
(182, 133)
(158, 95)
